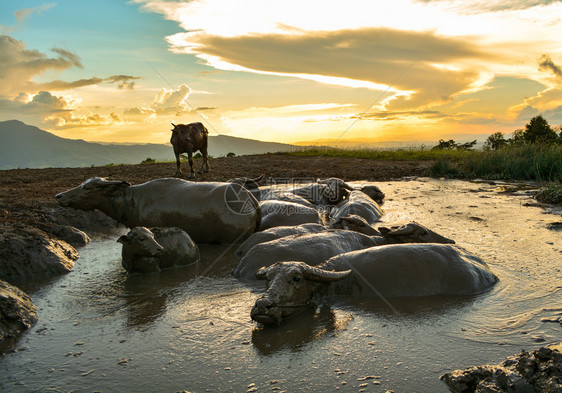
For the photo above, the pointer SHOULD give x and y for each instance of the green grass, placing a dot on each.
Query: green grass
(407, 154)
(528, 162)
(550, 194)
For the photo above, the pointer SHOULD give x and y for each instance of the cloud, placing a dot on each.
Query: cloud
(90, 119)
(527, 113)
(123, 81)
(19, 66)
(33, 109)
(546, 64)
(376, 56)
(58, 85)
(22, 15)
(166, 102)
(471, 6)
(172, 101)
(70, 56)
(554, 115)
(138, 111)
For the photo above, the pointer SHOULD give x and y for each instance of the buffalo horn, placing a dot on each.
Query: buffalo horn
(316, 274)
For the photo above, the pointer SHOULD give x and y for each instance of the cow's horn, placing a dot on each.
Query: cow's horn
(174, 125)
(316, 274)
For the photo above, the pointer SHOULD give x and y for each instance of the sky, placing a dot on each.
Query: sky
(286, 71)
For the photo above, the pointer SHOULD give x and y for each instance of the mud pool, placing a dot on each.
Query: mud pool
(190, 328)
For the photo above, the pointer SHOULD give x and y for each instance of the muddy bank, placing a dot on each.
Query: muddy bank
(17, 312)
(536, 371)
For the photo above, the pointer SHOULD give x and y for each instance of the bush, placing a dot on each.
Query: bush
(149, 161)
(495, 142)
(526, 162)
(551, 194)
(231, 154)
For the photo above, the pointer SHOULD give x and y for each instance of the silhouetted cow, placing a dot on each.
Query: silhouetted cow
(188, 138)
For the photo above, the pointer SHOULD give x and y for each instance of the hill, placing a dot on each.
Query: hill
(25, 146)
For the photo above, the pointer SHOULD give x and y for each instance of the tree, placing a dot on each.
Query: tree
(539, 131)
(446, 145)
(452, 145)
(517, 139)
(495, 141)
(467, 145)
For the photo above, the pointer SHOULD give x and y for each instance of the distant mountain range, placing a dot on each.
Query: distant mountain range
(25, 146)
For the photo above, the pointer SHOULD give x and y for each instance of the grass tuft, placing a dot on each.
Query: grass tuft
(551, 194)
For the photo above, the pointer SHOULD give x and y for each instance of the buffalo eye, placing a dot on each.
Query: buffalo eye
(297, 279)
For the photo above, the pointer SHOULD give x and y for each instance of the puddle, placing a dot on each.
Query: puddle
(190, 328)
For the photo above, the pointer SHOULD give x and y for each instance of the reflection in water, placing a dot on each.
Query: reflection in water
(295, 333)
(421, 307)
(146, 295)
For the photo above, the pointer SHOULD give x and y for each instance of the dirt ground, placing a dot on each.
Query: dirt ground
(26, 193)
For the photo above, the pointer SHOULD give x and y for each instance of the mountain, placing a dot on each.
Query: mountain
(25, 146)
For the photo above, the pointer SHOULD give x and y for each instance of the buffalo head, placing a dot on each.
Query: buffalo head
(413, 233)
(292, 287)
(91, 194)
(374, 193)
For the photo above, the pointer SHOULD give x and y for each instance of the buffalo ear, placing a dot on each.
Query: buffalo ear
(384, 230)
(404, 230)
(123, 239)
(113, 186)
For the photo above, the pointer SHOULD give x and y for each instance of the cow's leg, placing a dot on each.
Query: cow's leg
(178, 169)
(190, 159)
(205, 164)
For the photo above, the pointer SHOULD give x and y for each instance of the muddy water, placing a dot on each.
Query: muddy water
(189, 329)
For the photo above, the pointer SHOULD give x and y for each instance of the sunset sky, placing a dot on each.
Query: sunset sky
(287, 71)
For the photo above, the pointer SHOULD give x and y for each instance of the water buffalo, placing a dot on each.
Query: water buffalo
(270, 194)
(315, 244)
(360, 204)
(276, 233)
(324, 192)
(282, 213)
(354, 223)
(151, 250)
(208, 212)
(398, 270)
(189, 138)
